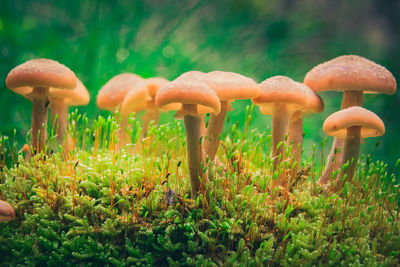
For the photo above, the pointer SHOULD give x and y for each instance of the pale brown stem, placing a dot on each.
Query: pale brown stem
(280, 120)
(150, 115)
(350, 155)
(214, 129)
(59, 112)
(295, 138)
(203, 127)
(350, 99)
(196, 157)
(39, 118)
(123, 136)
(334, 161)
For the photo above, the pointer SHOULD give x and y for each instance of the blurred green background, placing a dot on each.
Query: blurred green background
(259, 39)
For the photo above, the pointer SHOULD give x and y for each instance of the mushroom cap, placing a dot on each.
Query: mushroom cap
(283, 90)
(337, 123)
(114, 91)
(193, 75)
(40, 73)
(7, 212)
(77, 97)
(137, 98)
(231, 86)
(182, 91)
(351, 73)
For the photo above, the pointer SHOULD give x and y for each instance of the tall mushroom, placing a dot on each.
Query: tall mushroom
(142, 97)
(37, 80)
(7, 212)
(111, 96)
(228, 86)
(195, 97)
(61, 100)
(354, 75)
(352, 124)
(313, 105)
(281, 97)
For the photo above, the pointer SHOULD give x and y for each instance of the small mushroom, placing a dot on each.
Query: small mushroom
(354, 75)
(352, 124)
(228, 86)
(194, 98)
(37, 80)
(111, 96)
(281, 97)
(61, 100)
(7, 212)
(142, 97)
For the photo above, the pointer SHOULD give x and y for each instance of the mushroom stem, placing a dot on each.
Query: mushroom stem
(350, 99)
(350, 155)
(203, 129)
(150, 115)
(214, 129)
(295, 137)
(59, 111)
(123, 136)
(195, 152)
(280, 120)
(334, 161)
(40, 103)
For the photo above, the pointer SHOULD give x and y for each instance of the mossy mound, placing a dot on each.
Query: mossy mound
(97, 206)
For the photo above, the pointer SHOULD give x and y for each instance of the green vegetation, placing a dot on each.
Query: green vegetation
(100, 206)
(97, 206)
(259, 39)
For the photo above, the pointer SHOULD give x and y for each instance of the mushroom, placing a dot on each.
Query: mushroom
(281, 97)
(352, 124)
(142, 97)
(228, 86)
(353, 75)
(111, 96)
(37, 80)
(195, 99)
(61, 100)
(295, 138)
(7, 212)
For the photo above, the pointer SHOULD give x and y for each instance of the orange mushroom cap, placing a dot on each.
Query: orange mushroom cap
(231, 86)
(112, 94)
(137, 98)
(40, 73)
(351, 73)
(283, 90)
(7, 212)
(337, 123)
(77, 97)
(187, 92)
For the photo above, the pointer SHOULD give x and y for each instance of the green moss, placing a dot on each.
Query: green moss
(97, 206)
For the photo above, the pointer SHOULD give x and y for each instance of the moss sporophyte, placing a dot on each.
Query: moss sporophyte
(159, 199)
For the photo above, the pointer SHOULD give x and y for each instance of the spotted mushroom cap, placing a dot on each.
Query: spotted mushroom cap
(181, 91)
(7, 212)
(112, 94)
(351, 73)
(231, 86)
(141, 96)
(337, 123)
(40, 73)
(283, 90)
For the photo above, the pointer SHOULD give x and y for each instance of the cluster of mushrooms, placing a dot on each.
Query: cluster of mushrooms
(48, 83)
